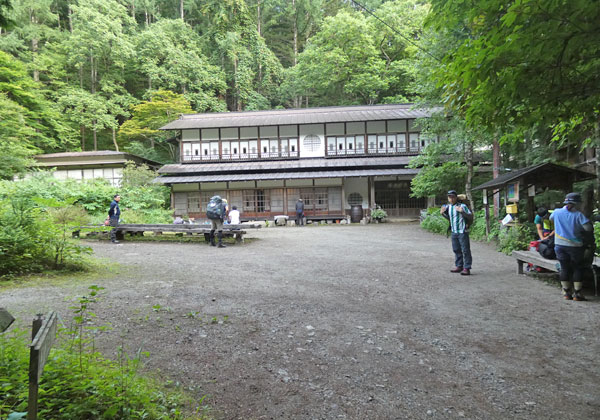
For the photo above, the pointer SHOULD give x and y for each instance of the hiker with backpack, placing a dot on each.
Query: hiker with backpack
(460, 218)
(216, 211)
(574, 237)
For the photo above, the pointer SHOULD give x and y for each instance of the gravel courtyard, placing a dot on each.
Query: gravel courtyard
(344, 322)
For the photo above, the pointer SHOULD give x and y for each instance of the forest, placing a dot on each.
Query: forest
(519, 77)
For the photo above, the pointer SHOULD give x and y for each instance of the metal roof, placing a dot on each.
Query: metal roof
(284, 175)
(298, 116)
(54, 159)
(549, 174)
(285, 164)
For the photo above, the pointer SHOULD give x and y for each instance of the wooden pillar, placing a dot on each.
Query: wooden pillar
(371, 192)
(496, 173)
(343, 197)
(486, 205)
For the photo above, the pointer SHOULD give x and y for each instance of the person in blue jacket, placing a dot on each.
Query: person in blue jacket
(114, 213)
(573, 233)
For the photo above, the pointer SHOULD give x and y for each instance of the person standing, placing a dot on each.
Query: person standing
(572, 232)
(114, 213)
(459, 216)
(217, 213)
(299, 212)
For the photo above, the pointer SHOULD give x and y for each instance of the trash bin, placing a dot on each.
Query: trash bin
(356, 214)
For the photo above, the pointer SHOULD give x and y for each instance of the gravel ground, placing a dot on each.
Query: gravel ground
(349, 322)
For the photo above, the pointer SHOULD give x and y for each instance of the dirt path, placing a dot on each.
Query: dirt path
(350, 322)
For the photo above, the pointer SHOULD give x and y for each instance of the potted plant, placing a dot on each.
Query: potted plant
(378, 214)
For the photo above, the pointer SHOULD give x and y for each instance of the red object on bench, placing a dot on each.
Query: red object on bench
(534, 245)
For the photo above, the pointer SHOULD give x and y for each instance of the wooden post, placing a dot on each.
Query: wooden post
(44, 333)
(487, 213)
(6, 319)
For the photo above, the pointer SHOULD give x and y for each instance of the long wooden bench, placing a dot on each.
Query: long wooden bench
(236, 231)
(533, 257)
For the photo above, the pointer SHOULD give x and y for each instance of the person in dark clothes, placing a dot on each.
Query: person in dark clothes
(114, 213)
(299, 212)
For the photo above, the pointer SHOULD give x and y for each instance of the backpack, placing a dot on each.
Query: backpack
(546, 248)
(215, 209)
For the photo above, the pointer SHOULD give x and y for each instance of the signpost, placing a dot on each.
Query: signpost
(44, 333)
(6, 319)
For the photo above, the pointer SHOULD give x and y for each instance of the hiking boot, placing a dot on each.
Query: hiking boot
(578, 297)
(212, 239)
(221, 244)
(466, 272)
(456, 270)
(567, 294)
(115, 242)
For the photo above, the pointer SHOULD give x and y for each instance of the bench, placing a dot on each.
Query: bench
(533, 257)
(236, 231)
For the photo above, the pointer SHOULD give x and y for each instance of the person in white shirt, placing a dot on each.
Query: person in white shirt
(234, 216)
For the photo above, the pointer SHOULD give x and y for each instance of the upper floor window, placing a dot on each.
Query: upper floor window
(312, 143)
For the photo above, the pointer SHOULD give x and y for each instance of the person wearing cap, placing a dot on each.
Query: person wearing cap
(572, 232)
(543, 224)
(299, 212)
(459, 216)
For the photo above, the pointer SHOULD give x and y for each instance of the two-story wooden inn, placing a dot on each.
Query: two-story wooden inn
(263, 161)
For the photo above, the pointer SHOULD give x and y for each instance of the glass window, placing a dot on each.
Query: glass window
(372, 143)
(288, 131)
(187, 149)
(225, 147)
(391, 142)
(335, 129)
(312, 143)
(396, 125)
(376, 127)
(253, 146)
(401, 138)
(229, 133)
(190, 134)
(381, 144)
(274, 145)
(210, 134)
(341, 144)
(355, 128)
(331, 144)
(414, 142)
(266, 132)
(205, 149)
(360, 144)
(248, 132)
(293, 145)
(412, 126)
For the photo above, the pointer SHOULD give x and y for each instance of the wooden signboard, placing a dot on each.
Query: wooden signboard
(6, 319)
(39, 349)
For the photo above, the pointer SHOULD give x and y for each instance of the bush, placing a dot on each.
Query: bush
(435, 222)
(477, 229)
(78, 382)
(515, 238)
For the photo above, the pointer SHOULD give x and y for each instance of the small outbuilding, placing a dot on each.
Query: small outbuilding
(107, 164)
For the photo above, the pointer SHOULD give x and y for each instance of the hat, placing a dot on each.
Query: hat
(573, 198)
(542, 211)
(452, 192)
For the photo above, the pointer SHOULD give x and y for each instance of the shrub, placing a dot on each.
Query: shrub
(435, 222)
(78, 382)
(515, 238)
(477, 229)
(378, 214)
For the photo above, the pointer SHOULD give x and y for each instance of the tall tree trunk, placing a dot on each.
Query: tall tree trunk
(297, 100)
(469, 161)
(237, 102)
(597, 146)
(181, 8)
(34, 51)
(496, 173)
(92, 75)
(258, 18)
(114, 136)
(133, 9)
(82, 129)
(95, 136)
(146, 15)
(70, 12)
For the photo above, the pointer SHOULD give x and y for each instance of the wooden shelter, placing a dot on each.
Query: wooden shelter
(523, 183)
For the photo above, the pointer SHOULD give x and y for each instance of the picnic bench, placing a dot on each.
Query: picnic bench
(533, 257)
(229, 231)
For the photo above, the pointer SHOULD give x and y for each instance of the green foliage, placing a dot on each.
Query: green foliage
(515, 238)
(34, 237)
(147, 117)
(434, 222)
(433, 180)
(378, 214)
(78, 382)
(477, 229)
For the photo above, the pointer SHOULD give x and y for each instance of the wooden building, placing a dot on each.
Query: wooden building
(263, 161)
(106, 164)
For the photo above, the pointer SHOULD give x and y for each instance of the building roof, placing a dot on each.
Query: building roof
(286, 165)
(284, 175)
(297, 116)
(544, 174)
(99, 157)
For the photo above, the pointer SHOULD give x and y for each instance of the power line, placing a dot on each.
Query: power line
(396, 31)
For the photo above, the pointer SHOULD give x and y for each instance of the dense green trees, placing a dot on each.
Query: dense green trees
(90, 63)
